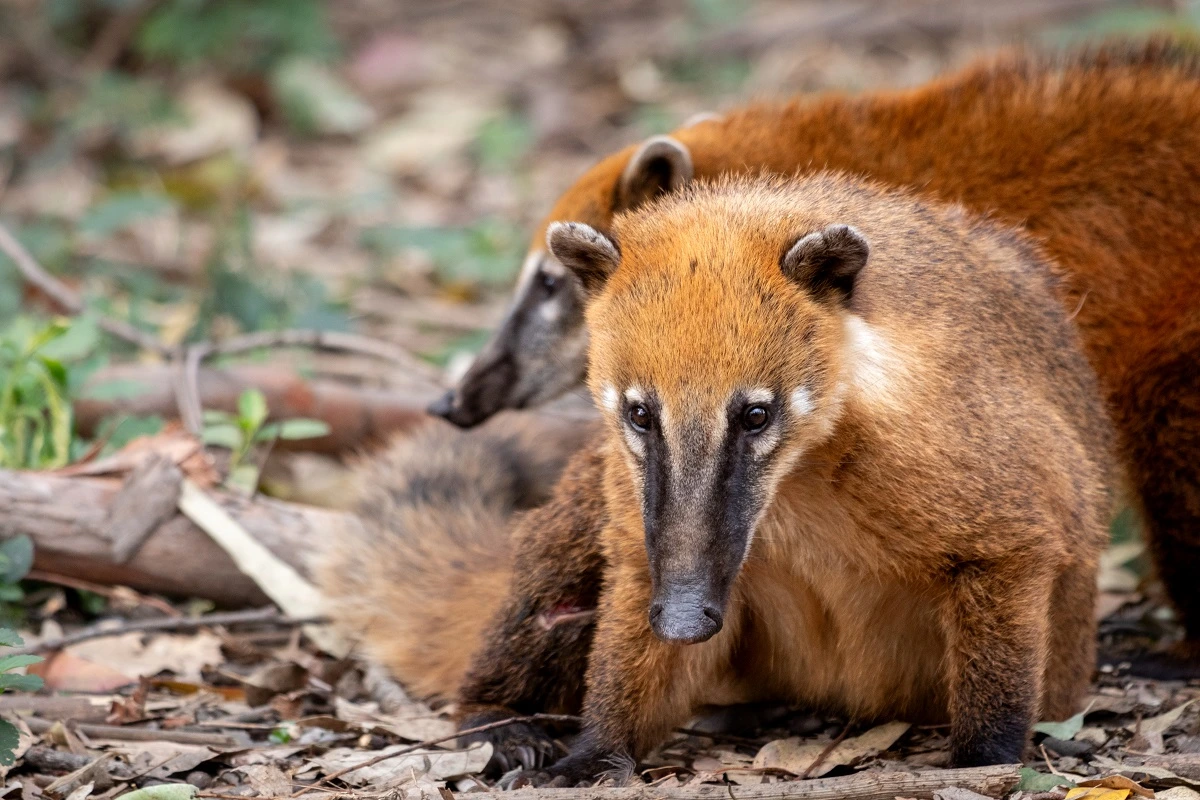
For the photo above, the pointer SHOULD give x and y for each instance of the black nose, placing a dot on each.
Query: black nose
(443, 406)
(682, 620)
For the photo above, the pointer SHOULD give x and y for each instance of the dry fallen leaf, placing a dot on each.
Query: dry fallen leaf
(1116, 782)
(267, 779)
(159, 759)
(66, 672)
(428, 765)
(797, 756)
(136, 655)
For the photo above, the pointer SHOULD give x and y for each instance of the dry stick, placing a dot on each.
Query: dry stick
(105, 591)
(825, 753)
(430, 742)
(130, 734)
(995, 781)
(188, 390)
(69, 300)
(261, 615)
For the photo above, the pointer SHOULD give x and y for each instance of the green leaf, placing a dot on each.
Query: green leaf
(10, 739)
(10, 638)
(16, 662)
(115, 389)
(244, 478)
(20, 683)
(166, 791)
(224, 435)
(18, 558)
(252, 407)
(1034, 781)
(303, 429)
(80, 339)
(120, 210)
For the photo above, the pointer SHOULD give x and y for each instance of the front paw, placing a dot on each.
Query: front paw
(582, 768)
(517, 747)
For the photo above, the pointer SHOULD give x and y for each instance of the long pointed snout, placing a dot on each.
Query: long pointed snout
(483, 390)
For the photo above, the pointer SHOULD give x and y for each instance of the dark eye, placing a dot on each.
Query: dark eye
(549, 282)
(755, 418)
(639, 418)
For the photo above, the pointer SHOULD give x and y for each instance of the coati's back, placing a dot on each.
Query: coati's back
(420, 580)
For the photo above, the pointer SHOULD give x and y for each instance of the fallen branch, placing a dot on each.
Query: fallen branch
(69, 300)
(356, 416)
(994, 781)
(257, 616)
(125, 733)
(188, 390)
(67, 519)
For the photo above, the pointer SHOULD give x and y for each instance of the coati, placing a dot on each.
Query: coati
(1096, 154)
(856, 459)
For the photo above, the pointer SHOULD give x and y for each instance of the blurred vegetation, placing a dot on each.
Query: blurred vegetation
(202, 168)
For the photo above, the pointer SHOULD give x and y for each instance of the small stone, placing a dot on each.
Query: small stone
(201, 780)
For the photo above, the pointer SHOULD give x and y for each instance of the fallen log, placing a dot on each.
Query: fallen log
(357, 416)
(988, 781)
(68, 519)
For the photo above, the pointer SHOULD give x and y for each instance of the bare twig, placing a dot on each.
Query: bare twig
(824, 754)
(103, 590)
(126, 733)
(430, 742)
(188, 390)
(262, 615)
(69, 300)
(115, 35)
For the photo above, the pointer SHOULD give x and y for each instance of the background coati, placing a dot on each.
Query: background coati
(857, 460)
(1097, 154)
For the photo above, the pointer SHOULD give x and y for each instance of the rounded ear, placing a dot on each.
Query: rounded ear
(827, 261)
(660, 165)
(589, 254)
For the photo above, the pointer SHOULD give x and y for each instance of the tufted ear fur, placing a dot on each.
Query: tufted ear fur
(588, 254)
(827, 261)
(660, 165)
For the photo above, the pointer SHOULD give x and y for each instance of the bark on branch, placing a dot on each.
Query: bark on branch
(68, 519)
(990, 781)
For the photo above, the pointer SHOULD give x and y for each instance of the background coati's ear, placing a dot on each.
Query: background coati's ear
(660, 165)
(827, 261)
(587, 252)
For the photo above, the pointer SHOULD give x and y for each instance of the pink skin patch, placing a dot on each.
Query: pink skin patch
(563, 614)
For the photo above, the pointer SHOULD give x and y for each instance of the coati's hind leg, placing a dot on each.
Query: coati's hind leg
(998, 625)
(1072, 657)
(1161, 416)
(535, 650)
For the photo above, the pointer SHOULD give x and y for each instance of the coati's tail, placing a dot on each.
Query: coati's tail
(416, 585)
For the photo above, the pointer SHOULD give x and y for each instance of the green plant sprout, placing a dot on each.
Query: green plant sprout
(243, 432)
(9, 736)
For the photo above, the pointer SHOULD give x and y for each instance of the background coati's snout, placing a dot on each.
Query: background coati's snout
(538, 353)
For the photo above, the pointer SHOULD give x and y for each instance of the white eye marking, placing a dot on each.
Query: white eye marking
(550, 311)
(530, 267)
(634, 394)
(609, 398)
(759, 397)
(551, 266)
(801, 401)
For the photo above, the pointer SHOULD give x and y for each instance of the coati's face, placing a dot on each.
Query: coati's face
(540, 349)
(716, 358)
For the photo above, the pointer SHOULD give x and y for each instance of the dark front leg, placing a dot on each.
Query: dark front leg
(998, 634)
(638, 687)
(535, 651)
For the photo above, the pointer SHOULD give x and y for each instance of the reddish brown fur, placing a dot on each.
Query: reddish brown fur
(1098, 157)
(944, 521)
